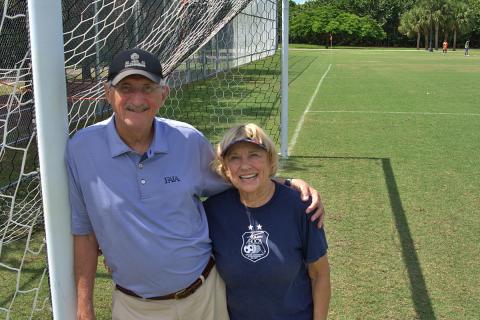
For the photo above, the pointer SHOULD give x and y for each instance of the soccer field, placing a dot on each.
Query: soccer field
(391, 139)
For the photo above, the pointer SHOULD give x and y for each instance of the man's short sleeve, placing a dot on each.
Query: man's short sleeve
(314, 240)
(211, 182)
(80, 223)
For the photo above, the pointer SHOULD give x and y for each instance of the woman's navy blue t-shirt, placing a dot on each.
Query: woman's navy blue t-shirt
(262, 254)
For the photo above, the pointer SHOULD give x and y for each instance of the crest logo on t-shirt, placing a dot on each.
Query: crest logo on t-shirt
(255, 245)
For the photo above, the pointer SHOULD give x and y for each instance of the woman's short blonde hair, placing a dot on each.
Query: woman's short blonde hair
(248, 132)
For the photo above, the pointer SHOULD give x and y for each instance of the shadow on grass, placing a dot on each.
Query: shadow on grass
(421, 299)
(418, 288)
(293, 73)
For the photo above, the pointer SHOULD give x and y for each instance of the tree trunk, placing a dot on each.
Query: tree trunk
(436, 36)
(426, 39)
(418, 40)
(454, 48)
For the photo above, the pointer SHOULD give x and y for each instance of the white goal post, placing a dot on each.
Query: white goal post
(48, 68)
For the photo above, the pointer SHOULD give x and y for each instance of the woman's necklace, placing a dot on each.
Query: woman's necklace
(251, 220)
(253, 224)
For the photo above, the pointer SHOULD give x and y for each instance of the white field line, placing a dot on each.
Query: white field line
(359, 50)
(398, 112)
(307, 109)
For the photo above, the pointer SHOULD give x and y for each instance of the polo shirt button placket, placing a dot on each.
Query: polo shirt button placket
(143, 181)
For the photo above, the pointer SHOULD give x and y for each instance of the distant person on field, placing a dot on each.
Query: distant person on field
(135, 182)
(273, 260)
(330, 38)
(467, 47)
(445, 46)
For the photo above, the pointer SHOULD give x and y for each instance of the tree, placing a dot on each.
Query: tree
(409, 26)
(434, 8)
(474, 6)
(353, 29)
(312, 23)
(385, 12)
(416, 21)
(461, 18)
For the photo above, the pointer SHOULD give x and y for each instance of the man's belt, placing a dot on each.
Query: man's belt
(182, 294)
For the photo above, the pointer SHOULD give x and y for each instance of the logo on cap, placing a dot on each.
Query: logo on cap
(135, 61)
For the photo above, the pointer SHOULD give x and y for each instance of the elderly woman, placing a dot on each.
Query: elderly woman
(273, 260)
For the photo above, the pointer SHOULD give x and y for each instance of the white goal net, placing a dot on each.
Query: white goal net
(222, 65)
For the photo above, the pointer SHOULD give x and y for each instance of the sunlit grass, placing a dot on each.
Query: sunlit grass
(391, 141)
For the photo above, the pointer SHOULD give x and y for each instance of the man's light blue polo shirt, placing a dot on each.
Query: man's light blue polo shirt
(144, 210)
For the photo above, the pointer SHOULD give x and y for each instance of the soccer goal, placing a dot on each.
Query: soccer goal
(223, 67)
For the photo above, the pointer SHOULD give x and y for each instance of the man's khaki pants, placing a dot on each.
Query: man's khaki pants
(207, 303)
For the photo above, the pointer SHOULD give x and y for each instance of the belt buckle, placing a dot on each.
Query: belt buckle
(181, 294)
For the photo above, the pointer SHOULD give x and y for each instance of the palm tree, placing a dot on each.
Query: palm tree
(461, 17)
(415, 22)
(438, 17)
(407, 26)
(424, 23)
(449, 18)
(434, 8)
(424, 20)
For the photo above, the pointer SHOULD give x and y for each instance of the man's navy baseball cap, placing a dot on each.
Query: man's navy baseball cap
(132, 62)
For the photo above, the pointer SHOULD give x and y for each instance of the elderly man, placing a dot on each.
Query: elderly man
(135, 183)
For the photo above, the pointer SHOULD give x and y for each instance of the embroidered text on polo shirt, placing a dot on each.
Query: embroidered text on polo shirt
(171, 179)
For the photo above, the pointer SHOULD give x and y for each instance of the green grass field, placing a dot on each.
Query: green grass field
(391, 140)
